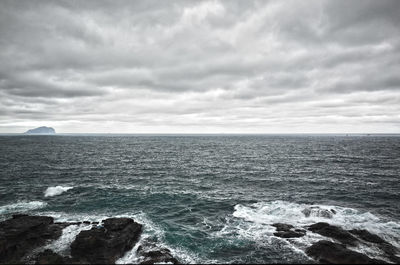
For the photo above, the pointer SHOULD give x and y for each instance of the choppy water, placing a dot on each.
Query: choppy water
(208, 198)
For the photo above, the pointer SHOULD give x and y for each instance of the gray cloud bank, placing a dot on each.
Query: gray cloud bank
(200, 66)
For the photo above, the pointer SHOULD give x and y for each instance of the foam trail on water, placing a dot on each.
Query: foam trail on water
(21, 207)
(54, 191)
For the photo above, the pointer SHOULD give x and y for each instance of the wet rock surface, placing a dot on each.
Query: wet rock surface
(150, 253)
(23, 239)
(49, 257)
(333, 253)
(282, 227)
(334, 232)
(387, 248)
(337, 252)
(21, 234)
(287, 231)
(104, 245)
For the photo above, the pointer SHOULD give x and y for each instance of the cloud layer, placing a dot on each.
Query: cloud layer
(200, 66)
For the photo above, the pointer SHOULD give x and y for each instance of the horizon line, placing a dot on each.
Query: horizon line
(228, 133)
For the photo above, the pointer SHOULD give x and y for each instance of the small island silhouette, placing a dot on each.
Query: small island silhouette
(41, 130)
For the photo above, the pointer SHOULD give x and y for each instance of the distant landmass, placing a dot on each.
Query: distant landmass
(41, 130)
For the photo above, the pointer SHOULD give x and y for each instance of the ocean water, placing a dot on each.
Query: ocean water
(210, 199)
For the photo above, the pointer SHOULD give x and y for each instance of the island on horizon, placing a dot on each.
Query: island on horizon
(41, 130)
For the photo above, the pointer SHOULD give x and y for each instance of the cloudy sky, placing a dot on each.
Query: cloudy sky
(200, 66)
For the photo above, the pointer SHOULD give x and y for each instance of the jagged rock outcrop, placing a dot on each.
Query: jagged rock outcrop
(334, 232)
(49, 257)
(150, 253)
(328, 252)
(23, 233)
(104, 245)
(337, 252)
(23, 239)
(287, 231)
(387, 248)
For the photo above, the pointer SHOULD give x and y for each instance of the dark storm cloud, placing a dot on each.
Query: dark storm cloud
(200, 66)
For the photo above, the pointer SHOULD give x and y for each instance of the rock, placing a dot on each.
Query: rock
(385, 246)
(151, 254)
(367, 236)
(318, 212)
(23, 233)
(334, 232)
(333, 253)
(282, 227)
(41, 130)
(117, 224)
(49, 257)
(289, 234)
(104, 245)
(286, 231)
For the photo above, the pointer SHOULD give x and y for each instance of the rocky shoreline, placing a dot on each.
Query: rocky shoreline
(23, 240)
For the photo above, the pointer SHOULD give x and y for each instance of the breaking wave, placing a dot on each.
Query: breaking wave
(253, 222)
(62, 244)
(54, 191)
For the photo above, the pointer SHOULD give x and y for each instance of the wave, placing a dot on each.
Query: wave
(21, 207)
(54, 191)
(63, 243)
(253, 222)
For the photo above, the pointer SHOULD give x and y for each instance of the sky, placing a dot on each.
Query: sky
(200, 66)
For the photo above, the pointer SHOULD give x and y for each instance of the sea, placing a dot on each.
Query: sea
(207, 198)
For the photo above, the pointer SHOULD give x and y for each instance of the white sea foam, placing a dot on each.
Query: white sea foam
(21, 207)
(253, 222)
(54, 191)
(63, 243)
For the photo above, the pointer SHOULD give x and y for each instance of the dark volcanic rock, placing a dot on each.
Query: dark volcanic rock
(385, 246)
(289, 234)
(367, 236)
(21, 234)
(104, 245)
(332, 253)
(334, 232)
(151, 254)
(286, 231)
(282, 227)
(49, 257)
(117, 224)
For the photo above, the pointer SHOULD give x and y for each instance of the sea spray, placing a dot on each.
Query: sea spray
(57, 190)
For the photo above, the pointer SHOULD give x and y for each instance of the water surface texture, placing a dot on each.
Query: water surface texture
(207, 198)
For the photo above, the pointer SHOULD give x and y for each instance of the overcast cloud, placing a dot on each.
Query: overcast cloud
(200, 66)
